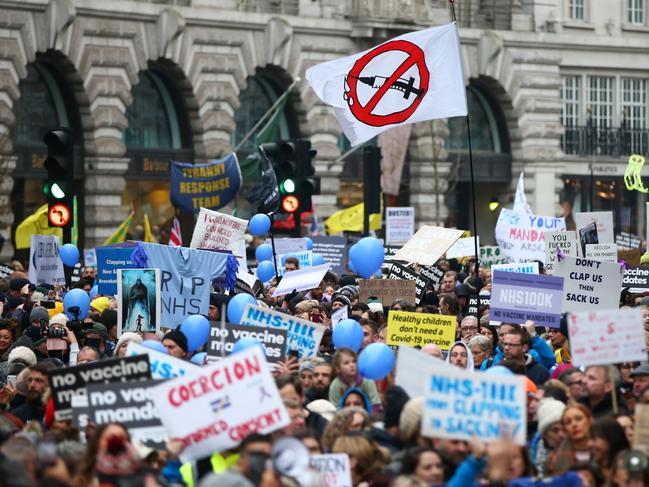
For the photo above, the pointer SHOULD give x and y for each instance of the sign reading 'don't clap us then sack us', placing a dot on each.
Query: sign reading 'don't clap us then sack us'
(211, 185)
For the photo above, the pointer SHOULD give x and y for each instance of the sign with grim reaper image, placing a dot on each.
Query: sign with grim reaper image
(138, 298)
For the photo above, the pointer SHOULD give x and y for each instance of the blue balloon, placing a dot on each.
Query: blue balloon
(197, 330)
(264, 252)
(154, 345)
(199, 358)
(259, 224)
(236, 306)
(69, 255)
(265, 271)
(309, 243)
(79, 298)
(317, 259)
(376, 361)
(367, 256)
(93, 292)
(245, 343)
(499, 370)
(349, 334)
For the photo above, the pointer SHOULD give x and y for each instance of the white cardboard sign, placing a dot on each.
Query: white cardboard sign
(522, 268)
(412, 365)
(399, 224)
(520, 236)
(333, 468)
(462, 404)
(44, 262)
(163, 366)
(604, 221)
(566, 241)
(427, 245)
(608, 336)
(301, 279)
(462, 248)
(589, 284)
(605, 252)
(217, 406)
(217, 231)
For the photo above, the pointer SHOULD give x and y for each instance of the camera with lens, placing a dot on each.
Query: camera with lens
(56, 332)
(77, 326)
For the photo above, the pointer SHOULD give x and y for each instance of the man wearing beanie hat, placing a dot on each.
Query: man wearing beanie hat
(176, 343)
(340, 300)
(100, 304)
(39, 316)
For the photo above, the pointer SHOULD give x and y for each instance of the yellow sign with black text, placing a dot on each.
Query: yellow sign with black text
(418, 329)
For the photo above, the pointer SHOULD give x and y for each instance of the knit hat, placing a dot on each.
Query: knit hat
(38, 313)
(307, 365)
(100, 330)
(323, 407)
(178, 338)
(108, 318)
(530, 386)
(228, 478)
(23, 355)
(59, 319)
(410, 419)
(128, 337)
(36, 335)
(57, 309)
(100, 304)
(341, 298)
(347, 280)
(549, 412)
(18, 283)
(563, 326)
(395, 399)
(119, 459)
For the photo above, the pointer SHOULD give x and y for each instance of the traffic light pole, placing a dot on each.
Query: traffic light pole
(371, 185)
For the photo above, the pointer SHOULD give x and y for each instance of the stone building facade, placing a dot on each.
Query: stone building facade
(556, 87)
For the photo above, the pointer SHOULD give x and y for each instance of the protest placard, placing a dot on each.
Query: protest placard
(418, 329)
(462, 247)
(76, 274)
(520, 235)
(5, 271)
(399, 224)
(109, 259)
(608, 336)
(427, 245)
(606, 252)
(398, 271)
(587, 235)
(433, 274)
(589, 284)
(411, 366)
(490, 255)
(247, 283)
(603, 221)
(44, 262)
(636, 277)
(223, 339)
(67, 382)
(641, 428)
(522, 268)
(627, 241)
(303, 336)
(89, 258)
(217, 406)
(472, 304)
(333, 469)
(462, 405)
(129, 404)
(217, 231)
(565, 241)
(338, 315)
(516, 298)
(301, 280)
(285, 246)
(387, 290)
(162, 365)
(630, 257)
(138, 300)
(333, 250)
(304, 258)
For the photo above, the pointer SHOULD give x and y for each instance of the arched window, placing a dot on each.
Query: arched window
(485, 136)
(152, 117)
(39, 108)
(256, 99)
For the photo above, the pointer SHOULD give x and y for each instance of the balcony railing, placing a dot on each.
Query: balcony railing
(609, 141)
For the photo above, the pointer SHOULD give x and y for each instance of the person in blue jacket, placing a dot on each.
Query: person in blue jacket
(540, 351)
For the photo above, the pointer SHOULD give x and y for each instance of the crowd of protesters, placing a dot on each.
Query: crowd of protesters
(580, 422)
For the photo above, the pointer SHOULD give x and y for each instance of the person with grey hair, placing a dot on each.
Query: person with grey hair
(480, 347)
(469, 328)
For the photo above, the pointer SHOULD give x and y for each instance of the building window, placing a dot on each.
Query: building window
(635, 12)
(576, 9)
(600, 101)
(485, 136)
(634, 103)
(570, 97)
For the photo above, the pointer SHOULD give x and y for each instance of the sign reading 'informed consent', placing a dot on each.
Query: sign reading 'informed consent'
(418, 329)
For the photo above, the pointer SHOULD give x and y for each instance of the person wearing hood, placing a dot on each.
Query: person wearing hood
(355, 397)
(460, 356)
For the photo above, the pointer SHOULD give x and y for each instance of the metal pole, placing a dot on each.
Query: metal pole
(272, 242)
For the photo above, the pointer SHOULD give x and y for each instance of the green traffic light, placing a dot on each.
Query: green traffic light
(287, 186)
(54, 190)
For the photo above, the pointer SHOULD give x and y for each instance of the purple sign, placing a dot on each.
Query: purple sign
(516, 298)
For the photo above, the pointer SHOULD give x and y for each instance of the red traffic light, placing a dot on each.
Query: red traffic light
(59, 215)
(290, 204)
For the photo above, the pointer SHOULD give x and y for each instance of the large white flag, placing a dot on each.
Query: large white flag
(411, 78)
(520, 200)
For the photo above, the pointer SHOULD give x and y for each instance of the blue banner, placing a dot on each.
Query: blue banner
(109, 259)
(211, 185)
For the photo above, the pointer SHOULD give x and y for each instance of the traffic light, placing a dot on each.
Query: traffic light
(60, 178)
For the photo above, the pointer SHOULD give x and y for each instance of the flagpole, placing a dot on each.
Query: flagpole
(269, 112)
(475, 216)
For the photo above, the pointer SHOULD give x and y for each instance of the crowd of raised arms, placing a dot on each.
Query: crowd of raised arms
(581, 421)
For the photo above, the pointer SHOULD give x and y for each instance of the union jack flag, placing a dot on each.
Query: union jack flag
(175, 239)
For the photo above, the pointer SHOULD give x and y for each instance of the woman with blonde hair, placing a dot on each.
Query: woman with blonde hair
(366, 458)
(344, 421)
(575, 448)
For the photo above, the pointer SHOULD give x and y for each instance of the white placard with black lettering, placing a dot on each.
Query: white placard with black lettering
(301, 280)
